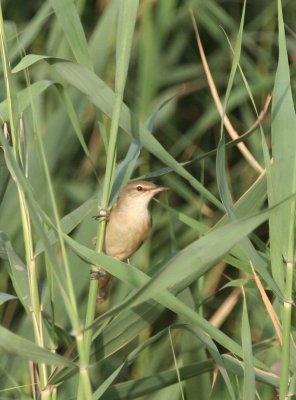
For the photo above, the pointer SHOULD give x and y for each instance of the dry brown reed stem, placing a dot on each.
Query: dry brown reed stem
(232, 132)
(269, 307)
(226, 308)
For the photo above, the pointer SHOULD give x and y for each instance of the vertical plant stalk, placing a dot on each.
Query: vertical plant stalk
(283, 226)
(25, 215)
(287, 309)
(287, 313)
(69, 293)
(70, 300)
(125, 29)
(33, 284)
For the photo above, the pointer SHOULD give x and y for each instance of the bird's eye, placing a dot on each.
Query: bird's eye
(140, 188)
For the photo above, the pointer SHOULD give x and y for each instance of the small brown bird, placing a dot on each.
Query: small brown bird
(128, 225)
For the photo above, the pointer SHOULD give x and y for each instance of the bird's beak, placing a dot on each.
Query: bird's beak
(159, 189)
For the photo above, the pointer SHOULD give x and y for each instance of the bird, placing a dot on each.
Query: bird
(128, 226)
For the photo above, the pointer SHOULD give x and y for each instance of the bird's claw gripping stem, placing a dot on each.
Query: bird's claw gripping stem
(104, 285)
(96, 274)
(104, 213)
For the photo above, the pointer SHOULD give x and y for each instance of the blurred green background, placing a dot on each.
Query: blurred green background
(164, 65)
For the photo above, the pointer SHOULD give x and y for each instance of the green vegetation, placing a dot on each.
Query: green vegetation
(94, 95)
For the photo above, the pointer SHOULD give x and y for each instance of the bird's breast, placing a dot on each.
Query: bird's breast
(126, 230)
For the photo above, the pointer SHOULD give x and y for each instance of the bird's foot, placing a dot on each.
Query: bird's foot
(97, 273)
(103, 213)
(105, 281)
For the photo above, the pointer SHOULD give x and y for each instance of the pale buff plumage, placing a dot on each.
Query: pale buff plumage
(128, 225)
